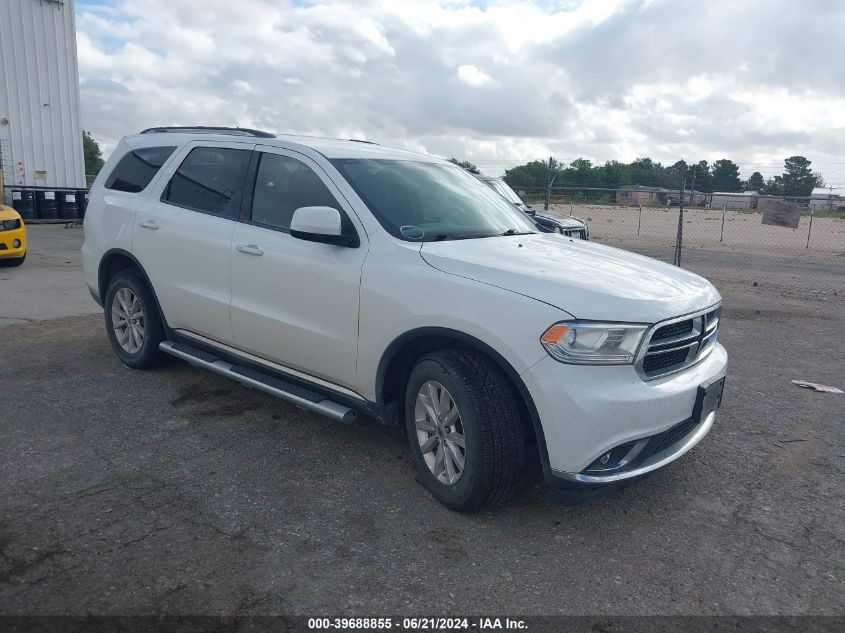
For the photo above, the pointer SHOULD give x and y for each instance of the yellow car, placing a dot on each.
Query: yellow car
(12, 237)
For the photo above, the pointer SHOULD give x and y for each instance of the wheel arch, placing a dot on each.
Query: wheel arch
(399, 357)
(115, 260)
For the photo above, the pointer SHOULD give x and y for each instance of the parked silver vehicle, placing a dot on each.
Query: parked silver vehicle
(566, 224)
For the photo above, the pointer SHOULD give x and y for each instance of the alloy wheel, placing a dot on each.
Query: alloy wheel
(440, 432)
(127, 315)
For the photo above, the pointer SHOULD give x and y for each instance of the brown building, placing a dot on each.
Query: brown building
(639, 194)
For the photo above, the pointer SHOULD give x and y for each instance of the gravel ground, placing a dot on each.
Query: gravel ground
(174, 491)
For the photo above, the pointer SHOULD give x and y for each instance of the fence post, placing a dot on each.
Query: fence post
(640, 219)
(722, 234)
(679, 240)
(810, 230)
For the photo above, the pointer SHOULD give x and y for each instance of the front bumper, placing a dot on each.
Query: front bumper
(587, 411)
(7, 240)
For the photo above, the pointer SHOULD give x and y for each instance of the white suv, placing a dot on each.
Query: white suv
(350, 278)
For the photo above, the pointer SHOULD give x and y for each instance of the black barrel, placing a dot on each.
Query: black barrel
(81, 202)
(45, 205)
(67, 205)
(23, 200)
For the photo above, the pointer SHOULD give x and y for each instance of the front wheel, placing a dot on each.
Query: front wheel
(464, 429)
(132, 321)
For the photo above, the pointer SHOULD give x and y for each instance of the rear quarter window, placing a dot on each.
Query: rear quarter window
(137, 168)
(210, 179)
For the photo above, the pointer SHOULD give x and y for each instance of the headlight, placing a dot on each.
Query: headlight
(9, 225)
(591, 343)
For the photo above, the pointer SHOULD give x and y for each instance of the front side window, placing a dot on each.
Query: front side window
(210, 179)
(421, 201)
(137, 168)
(283, 185)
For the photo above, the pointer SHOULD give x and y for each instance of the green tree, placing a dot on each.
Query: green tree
(681, 171)
(614, 174)
(703, 177)
(755, 182)
(774, 186)
(92, 154)
(536, 173)
(466, 165)
(725, 176)
(798, 179)
(580, 173)
(645, 171)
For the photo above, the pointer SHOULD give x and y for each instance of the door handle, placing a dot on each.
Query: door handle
(250, 249)
(148, 224)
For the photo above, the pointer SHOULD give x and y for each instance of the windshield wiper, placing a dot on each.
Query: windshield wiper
(443, 236)
(515, 232)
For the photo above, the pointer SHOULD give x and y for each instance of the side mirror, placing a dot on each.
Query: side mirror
(319, 224)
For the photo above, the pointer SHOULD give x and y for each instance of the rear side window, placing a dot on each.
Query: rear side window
(136, 169)
(210, 179)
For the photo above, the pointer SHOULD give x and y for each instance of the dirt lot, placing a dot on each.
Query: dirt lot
(743, 230)
(175, 491)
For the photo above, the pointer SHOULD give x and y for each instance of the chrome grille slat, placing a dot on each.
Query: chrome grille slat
(668, 344)
(674, 348)
(662, 350)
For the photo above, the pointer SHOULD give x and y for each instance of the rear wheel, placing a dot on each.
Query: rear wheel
(132, 321)
(464, 429)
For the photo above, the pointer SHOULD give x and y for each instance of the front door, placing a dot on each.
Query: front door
(295, 302)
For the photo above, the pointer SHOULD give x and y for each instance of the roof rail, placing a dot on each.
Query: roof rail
(203, 129)
(359, 140)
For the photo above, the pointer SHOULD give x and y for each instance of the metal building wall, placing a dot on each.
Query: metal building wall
(40, 125)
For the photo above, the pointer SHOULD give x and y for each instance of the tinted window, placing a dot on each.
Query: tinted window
(209, 179)
(282, 185)
(137, 168)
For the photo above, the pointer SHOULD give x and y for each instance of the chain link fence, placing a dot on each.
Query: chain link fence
(725, 237)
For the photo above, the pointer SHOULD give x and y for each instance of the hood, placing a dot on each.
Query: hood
(566, 221)
(8, 213)
(587, 280)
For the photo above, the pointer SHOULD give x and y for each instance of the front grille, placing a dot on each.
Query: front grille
(667, 359)
(675, 329)
(580, 234)
(679, 343)
(673, 435)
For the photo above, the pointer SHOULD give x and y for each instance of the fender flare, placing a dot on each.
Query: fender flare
(101, 282)
(472, 342)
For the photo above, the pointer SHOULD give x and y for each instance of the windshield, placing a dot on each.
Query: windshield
(506, 192)
(418, 201)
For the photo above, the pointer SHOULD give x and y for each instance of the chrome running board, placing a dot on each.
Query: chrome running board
(257, 379)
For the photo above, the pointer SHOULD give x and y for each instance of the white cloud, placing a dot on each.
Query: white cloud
(501, 83)
(472, 76)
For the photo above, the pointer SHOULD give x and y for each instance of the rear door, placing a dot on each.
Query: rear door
(183, 233)
(295, 302)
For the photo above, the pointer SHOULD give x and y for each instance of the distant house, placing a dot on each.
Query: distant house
(729, 200)
(827, 199)
(639, 194)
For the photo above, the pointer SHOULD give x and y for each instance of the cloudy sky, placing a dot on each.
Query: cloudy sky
(497, 82)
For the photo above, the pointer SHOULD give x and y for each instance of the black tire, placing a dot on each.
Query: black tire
(148, 354)
(490, 421)
(13, 261)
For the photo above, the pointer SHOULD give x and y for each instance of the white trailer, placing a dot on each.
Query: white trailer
(40, 125)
